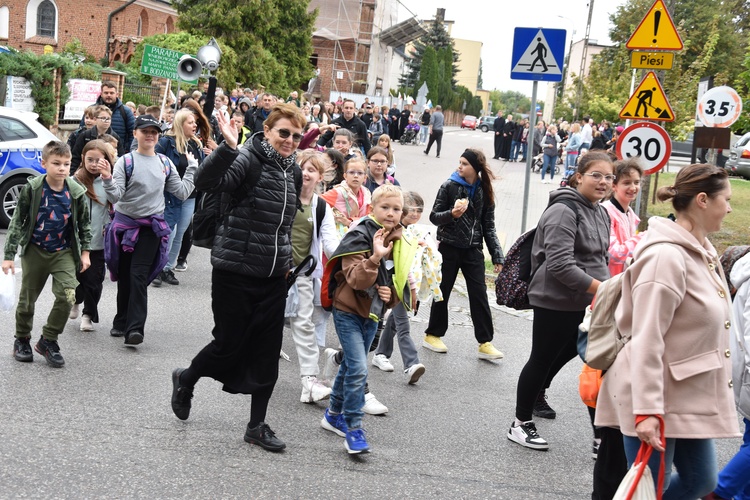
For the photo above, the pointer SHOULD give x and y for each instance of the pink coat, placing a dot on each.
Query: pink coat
(676, 306)
(622, 236)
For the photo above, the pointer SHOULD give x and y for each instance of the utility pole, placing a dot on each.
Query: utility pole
(584, 53)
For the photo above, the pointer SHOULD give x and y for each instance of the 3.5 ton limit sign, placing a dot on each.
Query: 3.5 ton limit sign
(647, 141)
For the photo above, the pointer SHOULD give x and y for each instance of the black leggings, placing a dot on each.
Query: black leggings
(553, 344)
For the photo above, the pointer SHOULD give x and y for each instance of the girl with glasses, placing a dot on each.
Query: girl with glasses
(350, 200)
(377, 164)
(102, 125)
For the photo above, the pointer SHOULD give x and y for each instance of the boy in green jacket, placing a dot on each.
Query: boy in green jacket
(51, 225)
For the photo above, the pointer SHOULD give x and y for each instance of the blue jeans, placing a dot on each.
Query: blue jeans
(694, 460)
(178, 231)
(549, 161)
(423, 133)
(515, 148)
(585, 145)
(348, 393)
(734, 481)
(524, 147)
(570, 160)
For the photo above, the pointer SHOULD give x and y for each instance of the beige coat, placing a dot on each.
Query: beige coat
(676, 306)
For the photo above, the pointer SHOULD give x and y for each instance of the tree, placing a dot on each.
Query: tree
(183, 41)
(437, 38)
(480, 82)
(272, 38)
(429, 74)
(509, 101)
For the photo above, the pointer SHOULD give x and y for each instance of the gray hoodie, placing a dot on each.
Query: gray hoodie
(740, 335)
(565, 256)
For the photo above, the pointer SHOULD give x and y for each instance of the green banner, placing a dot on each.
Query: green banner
(161, 63)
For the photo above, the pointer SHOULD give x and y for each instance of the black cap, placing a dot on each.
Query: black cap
(145, 121)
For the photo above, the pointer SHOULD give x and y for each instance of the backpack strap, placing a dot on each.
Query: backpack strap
(320, 213)
(128, 158)
(571, 205)
(167, 165)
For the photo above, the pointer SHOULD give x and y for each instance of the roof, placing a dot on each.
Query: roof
(403, 33)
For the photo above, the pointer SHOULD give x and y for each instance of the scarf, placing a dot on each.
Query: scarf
(274, 156)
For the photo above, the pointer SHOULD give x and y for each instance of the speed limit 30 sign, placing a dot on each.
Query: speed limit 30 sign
(719, 107)
(647, 141)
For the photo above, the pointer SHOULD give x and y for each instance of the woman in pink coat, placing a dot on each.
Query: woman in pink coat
(624, 220)
(675, 305)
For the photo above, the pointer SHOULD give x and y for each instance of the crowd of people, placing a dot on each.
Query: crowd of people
(297, 179)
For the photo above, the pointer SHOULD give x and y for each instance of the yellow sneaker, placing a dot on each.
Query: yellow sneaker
(488, 351)
(434, 343)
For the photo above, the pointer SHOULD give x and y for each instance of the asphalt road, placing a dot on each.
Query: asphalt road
(102, 426)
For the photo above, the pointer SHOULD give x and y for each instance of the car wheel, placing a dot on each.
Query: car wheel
(484, 128)
(10, 191)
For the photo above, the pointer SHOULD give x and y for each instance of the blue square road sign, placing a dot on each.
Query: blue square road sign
(538, 54)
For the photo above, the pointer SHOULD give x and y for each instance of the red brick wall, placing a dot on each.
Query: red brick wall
(85, 20)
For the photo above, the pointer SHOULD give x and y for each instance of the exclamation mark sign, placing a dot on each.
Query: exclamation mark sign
(657, 18)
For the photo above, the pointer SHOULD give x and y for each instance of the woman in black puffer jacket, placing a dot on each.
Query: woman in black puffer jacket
(251, 257)
(464, 212)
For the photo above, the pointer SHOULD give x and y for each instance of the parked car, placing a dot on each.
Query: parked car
(22, 138)
(469, 122)
(486, 123)
(739, 157)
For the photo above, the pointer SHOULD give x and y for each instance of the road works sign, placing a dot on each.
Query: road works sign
(161, 63)
(538, 54)
(648, 102)
(656, 31)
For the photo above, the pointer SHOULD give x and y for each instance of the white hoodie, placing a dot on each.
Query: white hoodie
(740, 339)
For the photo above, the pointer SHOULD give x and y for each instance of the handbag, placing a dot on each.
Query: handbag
(7, 291)
(638, 483)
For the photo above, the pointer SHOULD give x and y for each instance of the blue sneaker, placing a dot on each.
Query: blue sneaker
(356, 442)
(334, 423)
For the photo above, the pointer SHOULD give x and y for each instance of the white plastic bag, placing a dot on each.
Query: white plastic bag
(7, 291)
(638, 484)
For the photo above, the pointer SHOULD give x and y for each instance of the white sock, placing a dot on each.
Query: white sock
(519, 422)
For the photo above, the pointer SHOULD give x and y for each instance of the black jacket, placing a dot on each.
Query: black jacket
(123, 121)
(255, 237)
(254, 119)
(477, 223)
(355, 126)
(84, 138)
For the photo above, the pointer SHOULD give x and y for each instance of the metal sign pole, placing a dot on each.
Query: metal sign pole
(529, 157)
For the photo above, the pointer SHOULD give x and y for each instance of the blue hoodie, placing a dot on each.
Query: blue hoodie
(471, 187)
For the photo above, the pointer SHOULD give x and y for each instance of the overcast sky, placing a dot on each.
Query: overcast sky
(493, 22)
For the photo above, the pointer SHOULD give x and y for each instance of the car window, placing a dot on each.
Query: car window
(14, 130)
(744, 140)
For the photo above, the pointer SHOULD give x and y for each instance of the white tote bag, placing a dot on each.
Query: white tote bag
(638, 483)
(7, 291)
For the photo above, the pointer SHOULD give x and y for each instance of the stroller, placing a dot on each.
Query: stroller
(538, 161)
(410, 134)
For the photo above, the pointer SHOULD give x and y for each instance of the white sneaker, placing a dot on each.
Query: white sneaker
(86, 325)
(373, 406)
(313, 391)
(380, 361)
(526, 435)
(330, 367)
(413, 373)
(75, 311)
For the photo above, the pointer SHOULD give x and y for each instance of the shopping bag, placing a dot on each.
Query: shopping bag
(7, 291)
(638, 483)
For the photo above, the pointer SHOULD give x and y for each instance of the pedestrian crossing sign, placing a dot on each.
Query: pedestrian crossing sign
(648, 102)
(656, 31)
(538, 54)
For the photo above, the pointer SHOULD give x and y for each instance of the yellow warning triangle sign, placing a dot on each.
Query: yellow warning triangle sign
(656, 31)
(648, 102)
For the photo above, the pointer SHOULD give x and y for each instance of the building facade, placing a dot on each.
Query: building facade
(34, 24)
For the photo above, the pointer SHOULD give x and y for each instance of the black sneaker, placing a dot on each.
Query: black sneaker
(542, 409)
(181, 396)
(133, 338)
(181, 266)
(156, 283)
(526, 435)
(114, 332)
(169, 278)
(263, 436)
(22, 350)
(51, 352)
(595, 448)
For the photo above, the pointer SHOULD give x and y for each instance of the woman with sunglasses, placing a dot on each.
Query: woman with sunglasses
(251, 258)
(569, 258)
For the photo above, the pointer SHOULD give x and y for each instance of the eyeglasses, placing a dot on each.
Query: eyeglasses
(355, 173)
(379, 162)
(91, 160)
(284, 134)
(598, 176)
(105, 119)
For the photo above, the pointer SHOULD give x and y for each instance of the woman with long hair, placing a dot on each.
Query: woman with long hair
(175, 145)
(676, 368)
(97, 156)
(464, 212)
(568, 262)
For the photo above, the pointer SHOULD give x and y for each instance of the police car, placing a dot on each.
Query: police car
(22, 138)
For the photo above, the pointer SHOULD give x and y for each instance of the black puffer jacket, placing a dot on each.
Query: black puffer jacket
(477, 223)
(255, 239)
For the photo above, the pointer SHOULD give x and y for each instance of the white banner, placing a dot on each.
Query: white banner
(83, 93)
(18, 95)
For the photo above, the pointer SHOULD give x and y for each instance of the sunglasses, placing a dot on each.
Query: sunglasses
(284, 134)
